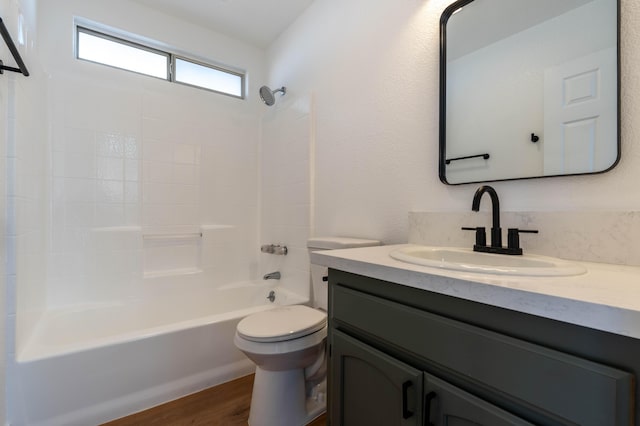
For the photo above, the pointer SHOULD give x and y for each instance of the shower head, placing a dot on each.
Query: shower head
(266, 94)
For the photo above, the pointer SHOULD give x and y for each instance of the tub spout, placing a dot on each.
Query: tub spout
(272, 276)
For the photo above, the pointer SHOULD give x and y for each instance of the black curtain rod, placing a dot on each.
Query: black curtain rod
(16, 55)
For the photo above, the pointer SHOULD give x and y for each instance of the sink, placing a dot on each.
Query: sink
(467, 260)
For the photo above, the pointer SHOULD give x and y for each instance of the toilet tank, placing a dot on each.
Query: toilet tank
(320, 289)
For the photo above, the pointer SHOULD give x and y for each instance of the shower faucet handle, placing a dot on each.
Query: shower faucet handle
(274, 249)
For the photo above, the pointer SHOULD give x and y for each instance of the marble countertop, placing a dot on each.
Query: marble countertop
(606, 297)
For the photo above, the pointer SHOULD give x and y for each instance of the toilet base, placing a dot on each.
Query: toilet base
(279, 399)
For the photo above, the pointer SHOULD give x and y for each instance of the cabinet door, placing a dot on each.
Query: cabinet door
(447, 405)
(371, 388)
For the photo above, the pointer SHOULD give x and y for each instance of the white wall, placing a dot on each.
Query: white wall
(373, 66)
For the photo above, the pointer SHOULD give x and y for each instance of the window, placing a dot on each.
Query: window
(207, 77)
(108, 50)
(100, 48)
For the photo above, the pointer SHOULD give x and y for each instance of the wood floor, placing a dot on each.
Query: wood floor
(223, 405)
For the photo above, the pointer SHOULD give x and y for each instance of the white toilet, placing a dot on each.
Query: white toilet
(287, 345)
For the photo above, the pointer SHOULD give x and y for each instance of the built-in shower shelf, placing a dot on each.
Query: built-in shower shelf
(171, 252)
(172, 237)
(171, 272)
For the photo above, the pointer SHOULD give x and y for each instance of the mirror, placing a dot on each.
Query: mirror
(528, 88)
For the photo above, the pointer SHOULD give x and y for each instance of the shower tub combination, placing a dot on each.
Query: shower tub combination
(87, 366)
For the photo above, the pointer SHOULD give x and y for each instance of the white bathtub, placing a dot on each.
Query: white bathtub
(90, 364)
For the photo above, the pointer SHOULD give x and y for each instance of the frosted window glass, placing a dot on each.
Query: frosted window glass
(108, 52)
(208, 78)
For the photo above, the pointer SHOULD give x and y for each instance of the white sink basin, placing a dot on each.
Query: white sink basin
(462, 259)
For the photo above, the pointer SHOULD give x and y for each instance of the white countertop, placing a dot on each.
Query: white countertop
(605, 298)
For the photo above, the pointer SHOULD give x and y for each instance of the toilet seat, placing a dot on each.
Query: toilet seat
(281, 324)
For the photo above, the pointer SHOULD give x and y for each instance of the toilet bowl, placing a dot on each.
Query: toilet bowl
(287, 344)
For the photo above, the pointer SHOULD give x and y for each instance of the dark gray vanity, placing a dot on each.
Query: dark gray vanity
(400, 355)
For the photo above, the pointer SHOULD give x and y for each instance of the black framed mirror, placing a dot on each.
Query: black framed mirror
(528, 89)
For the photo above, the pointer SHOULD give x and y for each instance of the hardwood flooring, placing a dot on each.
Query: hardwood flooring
(223, 405)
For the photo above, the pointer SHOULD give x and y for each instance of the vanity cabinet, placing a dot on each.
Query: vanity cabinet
(404, 356)
(376, 389)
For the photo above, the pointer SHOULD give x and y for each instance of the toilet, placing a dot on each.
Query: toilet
(287, 344)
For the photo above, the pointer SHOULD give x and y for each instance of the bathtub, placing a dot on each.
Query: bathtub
(88, 364)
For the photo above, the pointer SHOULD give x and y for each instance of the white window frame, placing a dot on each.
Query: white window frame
(171, 60)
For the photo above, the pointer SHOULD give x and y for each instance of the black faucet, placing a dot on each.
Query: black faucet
(513, 246)
(496, 231)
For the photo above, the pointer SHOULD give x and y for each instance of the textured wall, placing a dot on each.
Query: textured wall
(374, 69)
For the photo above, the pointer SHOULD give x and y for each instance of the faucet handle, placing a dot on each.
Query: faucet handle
(274, 249)
(481, 235)
(513, 237)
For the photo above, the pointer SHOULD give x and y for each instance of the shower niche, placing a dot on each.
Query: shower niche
(187, 251)
(169, 254)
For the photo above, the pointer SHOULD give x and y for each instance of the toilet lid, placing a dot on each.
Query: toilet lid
(282, 323)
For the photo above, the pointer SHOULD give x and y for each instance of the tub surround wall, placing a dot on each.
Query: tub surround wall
(138, 257)
(286, 182)
(23, 158)
(175, 160)
(102, 157)
(134, 158)
(604, 236)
